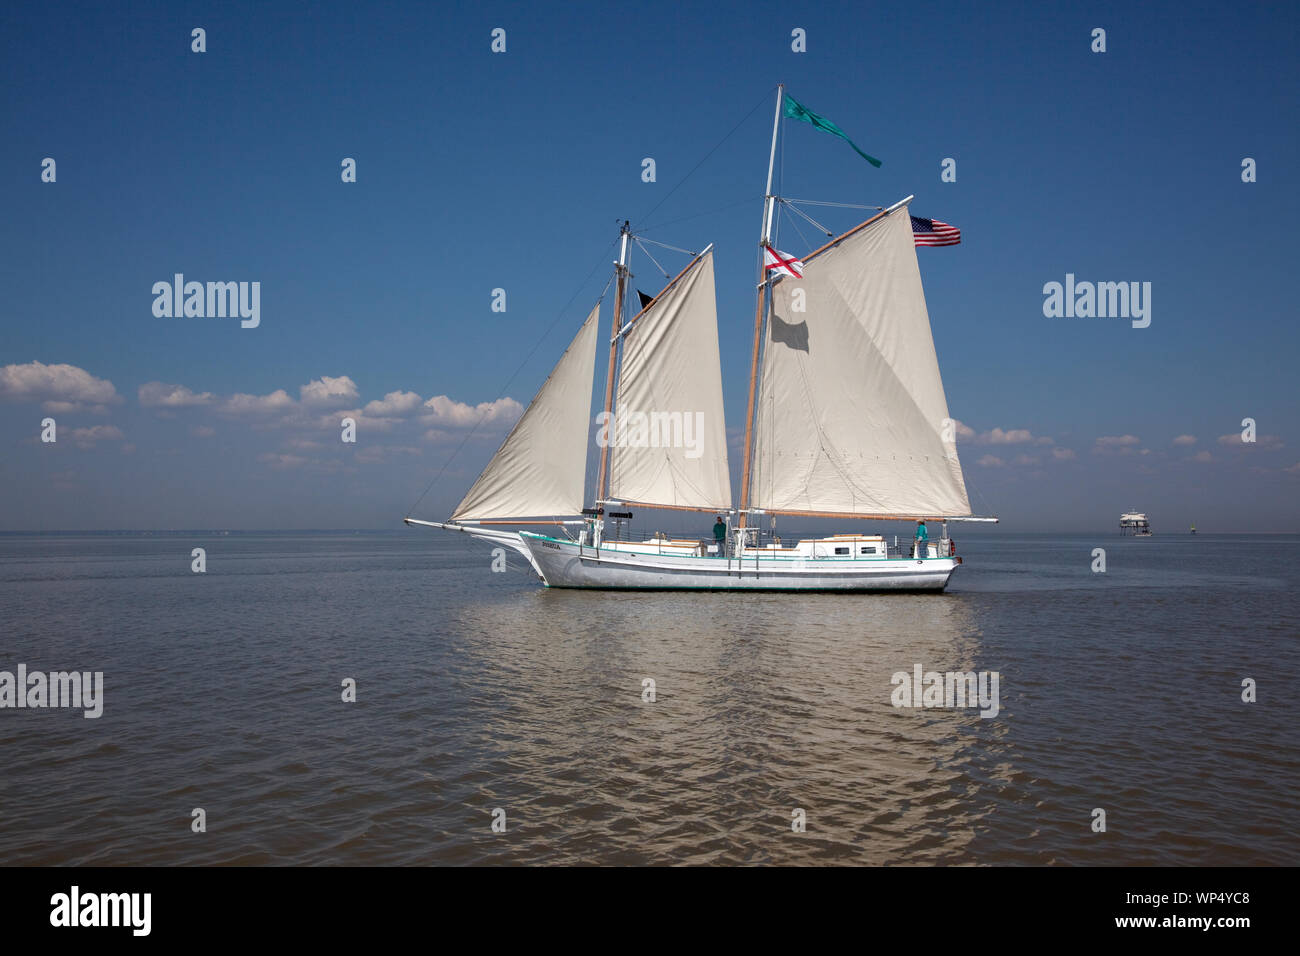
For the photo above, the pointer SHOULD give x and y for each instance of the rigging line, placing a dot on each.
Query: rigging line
(984, 506)
(842, 205)
(667, 274)
(672, 222)
(795, 223)
(640, 238)
(708, 154)
(501, 394)
(800, 212)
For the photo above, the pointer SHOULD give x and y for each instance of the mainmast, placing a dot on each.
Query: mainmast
(769, 204)
(620, 267)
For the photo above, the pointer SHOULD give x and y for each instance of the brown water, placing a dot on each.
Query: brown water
(478, 691)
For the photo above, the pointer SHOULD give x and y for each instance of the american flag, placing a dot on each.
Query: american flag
(932, 232)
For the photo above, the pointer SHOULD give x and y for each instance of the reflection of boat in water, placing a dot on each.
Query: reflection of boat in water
(734, 701)
(1136, 524)
(1193, 527)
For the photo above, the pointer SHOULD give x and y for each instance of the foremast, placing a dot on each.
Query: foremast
(620, 283)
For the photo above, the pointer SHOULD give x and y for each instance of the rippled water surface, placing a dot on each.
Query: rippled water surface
(477, 690)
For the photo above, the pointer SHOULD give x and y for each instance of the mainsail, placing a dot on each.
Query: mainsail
(540, 469)
(851, 416)
(668, 434)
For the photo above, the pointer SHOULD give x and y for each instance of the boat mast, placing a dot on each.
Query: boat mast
(620, 270)
(769, 203)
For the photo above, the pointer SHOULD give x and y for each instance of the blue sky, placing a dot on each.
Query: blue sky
(478, 171)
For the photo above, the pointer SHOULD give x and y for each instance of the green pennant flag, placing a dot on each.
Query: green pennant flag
(796, 110)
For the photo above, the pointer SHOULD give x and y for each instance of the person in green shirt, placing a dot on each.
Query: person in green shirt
(719, 531)
(922, 541)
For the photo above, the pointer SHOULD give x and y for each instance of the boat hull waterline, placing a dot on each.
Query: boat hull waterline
(567, 564)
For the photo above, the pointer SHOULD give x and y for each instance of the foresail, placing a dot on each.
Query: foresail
(851, 416)
(540, 469)
(668, 435)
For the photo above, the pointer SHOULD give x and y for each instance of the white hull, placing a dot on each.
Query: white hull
(566, 564)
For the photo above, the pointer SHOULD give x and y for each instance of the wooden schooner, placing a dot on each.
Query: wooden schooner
(846, 418)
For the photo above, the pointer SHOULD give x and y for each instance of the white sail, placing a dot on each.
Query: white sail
(540, 469)
(852, 416)
(669, 435)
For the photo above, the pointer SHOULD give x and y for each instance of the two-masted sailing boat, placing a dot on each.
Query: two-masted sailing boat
(846, 419)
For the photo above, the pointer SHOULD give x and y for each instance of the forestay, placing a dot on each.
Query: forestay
(540, 469)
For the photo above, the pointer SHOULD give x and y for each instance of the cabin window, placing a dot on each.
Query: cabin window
(867, 551)
(841, 550)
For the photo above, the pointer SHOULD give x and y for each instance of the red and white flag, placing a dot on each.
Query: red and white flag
(780, 264)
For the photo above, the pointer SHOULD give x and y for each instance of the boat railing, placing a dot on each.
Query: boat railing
(935, 548)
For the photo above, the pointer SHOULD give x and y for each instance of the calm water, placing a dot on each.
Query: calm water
(479, 690)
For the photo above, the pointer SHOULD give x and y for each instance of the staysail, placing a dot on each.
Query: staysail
(851, 415)
(540, 469)
(668, 434)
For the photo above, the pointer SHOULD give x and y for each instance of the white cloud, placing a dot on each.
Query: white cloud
(62, 388)
(1293, 470)
(162, 395)
(991, 461)
(329, 391)
(1063, 454)
(1266, 442)
(1014, 436)
(962, 430)
(1185, 440)
(394, 403)
(203, 431)
(334, 421)
(243, 404)
(1202, 456)
(447, 413)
